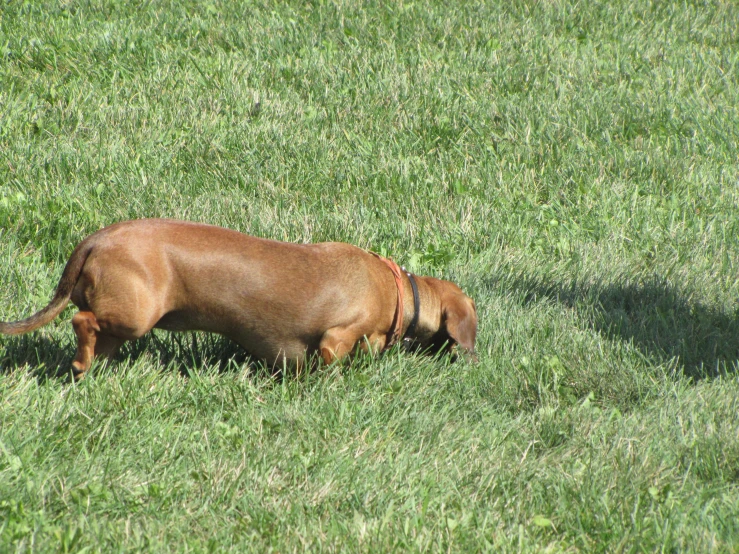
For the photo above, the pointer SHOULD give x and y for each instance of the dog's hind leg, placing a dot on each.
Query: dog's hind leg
(91, 343)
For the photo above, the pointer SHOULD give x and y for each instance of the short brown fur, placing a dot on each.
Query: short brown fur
(280, 301)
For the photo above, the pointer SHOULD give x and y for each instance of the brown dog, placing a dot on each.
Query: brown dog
(279, 301)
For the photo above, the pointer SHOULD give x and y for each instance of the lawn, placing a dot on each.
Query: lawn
(573, 166)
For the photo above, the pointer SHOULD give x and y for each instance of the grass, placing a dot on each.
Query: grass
(573, 166)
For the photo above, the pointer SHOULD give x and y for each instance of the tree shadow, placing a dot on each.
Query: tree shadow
(663, 322)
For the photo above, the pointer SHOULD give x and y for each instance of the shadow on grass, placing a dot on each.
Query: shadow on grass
(47, 358)
(663, 322)
(190, 352)
(183, 352)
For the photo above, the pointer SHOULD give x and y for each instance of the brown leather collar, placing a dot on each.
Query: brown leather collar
(393, 335)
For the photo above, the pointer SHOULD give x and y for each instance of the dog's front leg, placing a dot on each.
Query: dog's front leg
(339, 342)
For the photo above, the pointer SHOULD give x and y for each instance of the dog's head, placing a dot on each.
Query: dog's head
(455, 327)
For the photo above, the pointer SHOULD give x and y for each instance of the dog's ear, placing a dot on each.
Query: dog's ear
(460, 320)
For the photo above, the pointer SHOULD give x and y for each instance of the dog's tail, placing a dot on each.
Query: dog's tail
(63, 294)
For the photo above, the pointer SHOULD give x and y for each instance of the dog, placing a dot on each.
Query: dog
(281, 302)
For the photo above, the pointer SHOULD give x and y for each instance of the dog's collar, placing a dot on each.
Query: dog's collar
(416, 307)
(394, 334)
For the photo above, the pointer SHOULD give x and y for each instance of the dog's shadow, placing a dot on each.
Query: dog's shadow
(663, 322)
(191, 351)
(186, 353)
(43, 356)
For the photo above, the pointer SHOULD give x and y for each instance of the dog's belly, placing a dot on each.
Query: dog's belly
(178, 320)
(269, 346)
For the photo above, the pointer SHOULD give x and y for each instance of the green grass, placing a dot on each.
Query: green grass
(573, 166)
